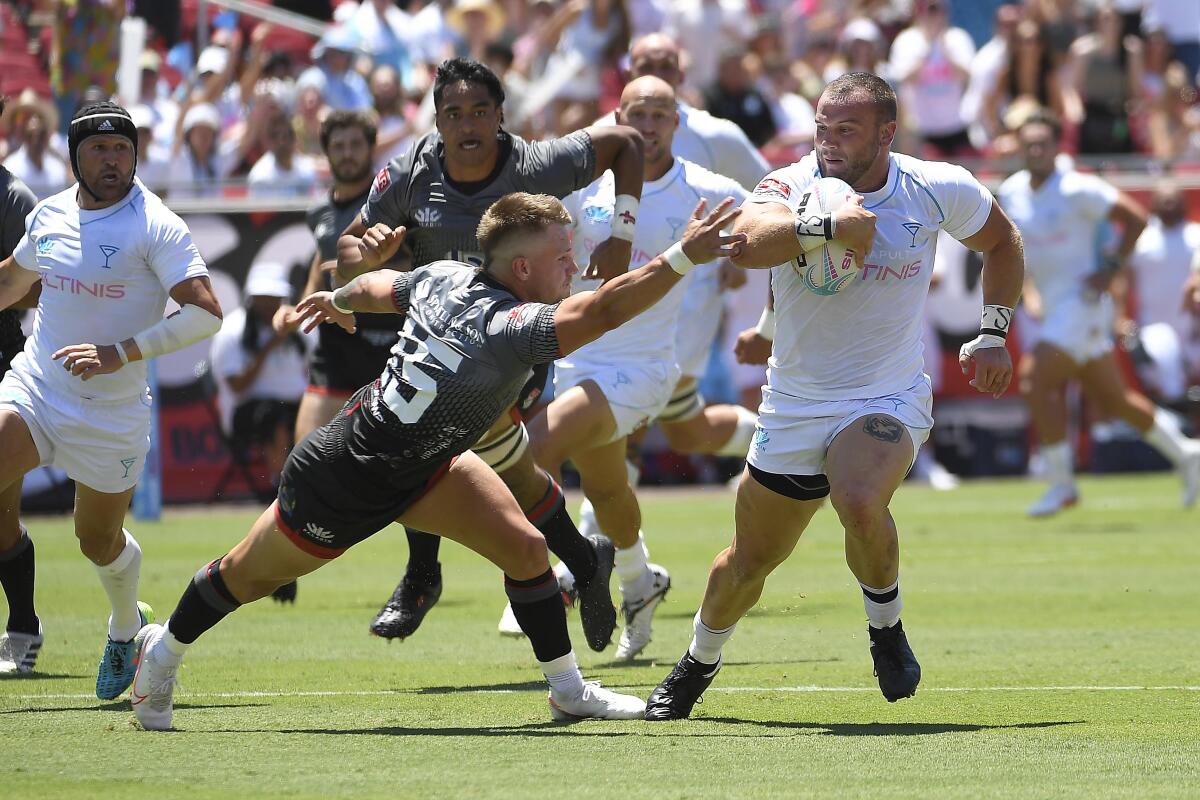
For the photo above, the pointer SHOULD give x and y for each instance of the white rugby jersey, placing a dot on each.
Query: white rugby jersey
(666, 208)
(1060, 223)
(865, 341)
(105, 276)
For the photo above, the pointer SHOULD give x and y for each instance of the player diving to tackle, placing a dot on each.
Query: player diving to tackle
(401, 448)
(437, 191)
(846, 405)
(621, 382)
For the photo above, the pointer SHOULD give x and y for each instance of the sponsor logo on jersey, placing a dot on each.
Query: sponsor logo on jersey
(884, 272)
(62, 283)
(913, 229)
(43, 246)
(771, 187)
(382, 181)
(127, 463)
(314, 531)
(428, 216)
(761, 437)
(109, 251)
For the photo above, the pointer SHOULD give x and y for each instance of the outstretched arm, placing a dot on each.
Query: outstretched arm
(371, 293)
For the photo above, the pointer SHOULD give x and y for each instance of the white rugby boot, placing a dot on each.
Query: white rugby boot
(595, 702)
(19, 651)
(639, 613)
(1058, 497)
(152, 693)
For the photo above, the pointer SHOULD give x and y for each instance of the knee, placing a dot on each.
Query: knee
(528, 557)
(680, 438)
(859, 508)
(100, 545)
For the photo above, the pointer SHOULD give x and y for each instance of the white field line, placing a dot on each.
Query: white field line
(760, 689)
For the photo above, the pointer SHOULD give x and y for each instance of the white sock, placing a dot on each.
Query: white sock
(1059, 467)
(631, 564)
(882, 605)
(120, 582)
(707, 642)
(588, 526)
(739, 442)
(170, 650)
(563, 675)
(1166, 437)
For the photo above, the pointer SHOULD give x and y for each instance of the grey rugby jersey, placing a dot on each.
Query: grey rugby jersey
(441, 218)
(466, 348)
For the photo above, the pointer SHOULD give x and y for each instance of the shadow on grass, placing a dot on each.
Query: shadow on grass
(524, 686)
(123, 705)
(43, 676)
(884, 728)
(566, 729)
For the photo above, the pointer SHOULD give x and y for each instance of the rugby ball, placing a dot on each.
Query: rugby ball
(829, 268)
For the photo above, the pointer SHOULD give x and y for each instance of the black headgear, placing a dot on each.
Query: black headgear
(99, 119)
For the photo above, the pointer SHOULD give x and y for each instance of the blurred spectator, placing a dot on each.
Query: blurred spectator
(281, 171)
(1027, 76)
(861, 48)
(587, 37)
(1180, 19)
(707, 29)
(35, 162)
(930, 62)
(383, 33)
(153, 160)
(432, 38)
(1167, 95)
(84, 50)
(734, 98)
(394, 131)
(341, 88)
(647, 17)
(154, 95)
(1105, 69)
(200, 161)
(306, 119)
(1058, 22)
(795, 121)
(1160, 265)
(476, 22)
(812, 64)
(989, 63)
(261, 373)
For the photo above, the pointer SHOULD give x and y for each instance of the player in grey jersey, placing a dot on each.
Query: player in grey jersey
(437, 191)
(400, 450)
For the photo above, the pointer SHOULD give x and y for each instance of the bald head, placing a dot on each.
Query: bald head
(648, 89)
(1168, 205)
(656, 54)
(648, 105)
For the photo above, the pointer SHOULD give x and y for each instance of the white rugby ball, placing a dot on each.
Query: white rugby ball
(829, 268)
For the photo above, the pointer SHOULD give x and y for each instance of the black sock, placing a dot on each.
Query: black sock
(539, 610)
(423, 566)
(16, 575)
(562, 537)
(205, 602)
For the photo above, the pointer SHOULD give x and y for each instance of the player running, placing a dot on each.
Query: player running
(846, 405)
(1060, 213)
(437, 191)
(22, 636)
(401, 448)
(108, 254)
(622, 381)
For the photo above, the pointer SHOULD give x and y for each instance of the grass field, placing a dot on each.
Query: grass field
(1059, 658)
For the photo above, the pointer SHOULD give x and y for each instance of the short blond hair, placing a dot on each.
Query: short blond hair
(518, 214)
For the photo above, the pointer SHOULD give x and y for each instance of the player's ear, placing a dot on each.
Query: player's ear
(887, 132)
(521, 267)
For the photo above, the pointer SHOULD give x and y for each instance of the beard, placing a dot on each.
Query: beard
(850, 171)
(349, 171)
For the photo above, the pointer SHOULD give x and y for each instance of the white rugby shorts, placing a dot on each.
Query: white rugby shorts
(101, 445)
(636, 393)
(1082, 330)
(794, 433)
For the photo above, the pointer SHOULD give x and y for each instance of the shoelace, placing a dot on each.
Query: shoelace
(160, 693)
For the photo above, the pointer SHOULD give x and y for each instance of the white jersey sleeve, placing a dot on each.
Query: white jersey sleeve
(1094, 197)
(171, 253)
(965, 203)
(786, 185)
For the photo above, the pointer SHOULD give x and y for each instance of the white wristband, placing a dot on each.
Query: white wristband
(995, 320)
(121, 352)
(624, 221)
(335, 301)
(766, 324)
(980, 342)
(678, 259)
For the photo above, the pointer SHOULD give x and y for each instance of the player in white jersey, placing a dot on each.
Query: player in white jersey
(108, 253)
(1060, 213)
(846, 404)
(612, 387)
(688, 422)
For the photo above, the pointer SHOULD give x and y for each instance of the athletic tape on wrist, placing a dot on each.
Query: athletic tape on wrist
(337, 302)
(176, 332)
(813, 230)
(625, 211)
(766, 325)
(121, 353)
(678, 259)
(995, 320)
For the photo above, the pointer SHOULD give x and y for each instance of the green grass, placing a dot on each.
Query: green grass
(1016, 624)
